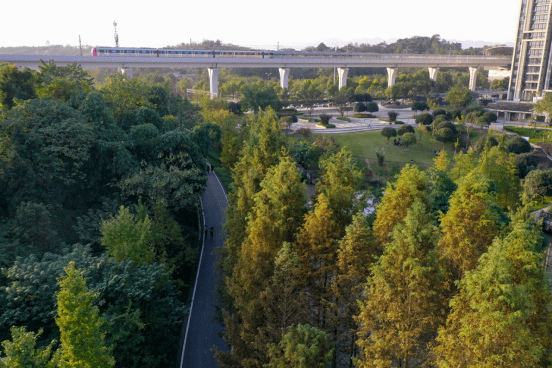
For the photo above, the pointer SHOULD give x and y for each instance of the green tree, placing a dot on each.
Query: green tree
(389, 132)
(15, 84)
(128, 237)
(445, 135)
(544, 106)
(341, 100)
(405, 306)
(538, 183)
(500, 318)
(459, 96)
(309, 92)
(142, 307)
(259, 96)
(500, 84)
(21, 351)
(80, 325)
(63, 83)
(303, 346)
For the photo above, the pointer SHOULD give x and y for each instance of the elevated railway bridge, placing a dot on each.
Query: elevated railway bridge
(284, 63)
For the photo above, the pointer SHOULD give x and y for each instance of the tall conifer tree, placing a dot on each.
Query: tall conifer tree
(80, 325)
(405, 306)
(501, 316)
(411, 184)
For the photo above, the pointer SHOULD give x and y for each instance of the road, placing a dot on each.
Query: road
(201, 333)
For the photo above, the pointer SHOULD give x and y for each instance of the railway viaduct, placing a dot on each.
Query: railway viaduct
(390, 61)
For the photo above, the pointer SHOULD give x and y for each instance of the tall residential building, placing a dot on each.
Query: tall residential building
(531, 64)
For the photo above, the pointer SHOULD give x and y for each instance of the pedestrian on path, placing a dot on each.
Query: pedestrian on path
(212, 231)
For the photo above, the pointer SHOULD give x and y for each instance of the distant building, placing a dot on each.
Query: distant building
(531, 62)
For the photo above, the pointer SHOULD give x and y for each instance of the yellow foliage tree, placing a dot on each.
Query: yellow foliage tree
(405, 305)
(469, 226)
(501, 316)
(411, 184)
(317, 244)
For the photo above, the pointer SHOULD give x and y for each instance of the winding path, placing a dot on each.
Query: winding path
(201, 332)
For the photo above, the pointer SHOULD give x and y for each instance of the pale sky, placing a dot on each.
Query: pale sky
(254, 23)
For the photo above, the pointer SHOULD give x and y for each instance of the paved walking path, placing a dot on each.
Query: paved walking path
(201, 332)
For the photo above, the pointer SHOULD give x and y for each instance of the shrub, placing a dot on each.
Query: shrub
(519, 145)
(439, 112)
(408, 139)
(423, 118)
(419, 106)
(372, 107)
(327, 126)
(362, 97)
(359, 107)
(342, 118)
(446, 124)
(392, 116)
(304, 132)
(489, 117)
(364, 116)
(325, 118)
(440, 118)
(405, 129)
(398, 122)
(380, 154)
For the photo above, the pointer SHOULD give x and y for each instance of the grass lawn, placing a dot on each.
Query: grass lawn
(535, 135)
(363, 145)
(540, 203)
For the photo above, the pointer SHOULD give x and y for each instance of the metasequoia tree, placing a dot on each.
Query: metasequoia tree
(469, 226)
(274, 219)
(80, 325)
(317, 244)
(501, 316)
(357, 251)
(411, 184)
(405, 305)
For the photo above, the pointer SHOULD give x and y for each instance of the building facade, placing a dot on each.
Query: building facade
(531, 61)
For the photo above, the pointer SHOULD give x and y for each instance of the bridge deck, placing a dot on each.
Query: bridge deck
(371, 60)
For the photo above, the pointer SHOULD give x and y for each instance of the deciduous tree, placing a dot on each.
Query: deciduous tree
(404, 306)
(500, 318)
(411, 184)
(81, 327)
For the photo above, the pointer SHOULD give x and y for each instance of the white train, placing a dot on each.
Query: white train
(151, 52)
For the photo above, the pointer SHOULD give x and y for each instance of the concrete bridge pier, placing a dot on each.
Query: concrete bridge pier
(391, 75)
(473, 78)
(284, 77)
(126, 71)
(433, 73)
(213, 82)
(342, 72)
